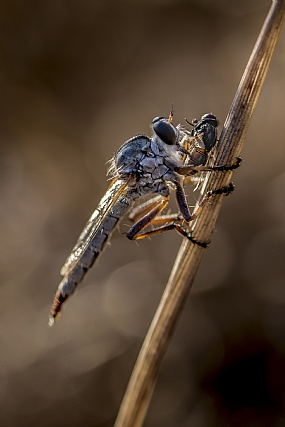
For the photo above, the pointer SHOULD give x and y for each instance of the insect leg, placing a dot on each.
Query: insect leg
(139, 211)
(163, 219)
(185, 170)
(144, 208)
(226, 190)
(147, 214)
(171, 226)
(156, 206)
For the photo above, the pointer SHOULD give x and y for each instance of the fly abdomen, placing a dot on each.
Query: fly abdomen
(70, 281)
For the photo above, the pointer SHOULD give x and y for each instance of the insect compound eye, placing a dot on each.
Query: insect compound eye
(158, 119)
(211, 119)
(164, 130)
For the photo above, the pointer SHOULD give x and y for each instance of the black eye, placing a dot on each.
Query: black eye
(211, 119)
(164, 130)
(158, 119)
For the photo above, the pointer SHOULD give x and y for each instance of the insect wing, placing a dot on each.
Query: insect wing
(114, 191)
(187, 141)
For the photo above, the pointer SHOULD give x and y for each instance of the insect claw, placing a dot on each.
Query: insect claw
(225, 191)
(196, 242)
(228, 189)
(239, 161)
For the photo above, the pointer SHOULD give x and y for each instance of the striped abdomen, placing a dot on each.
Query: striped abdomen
(69, 282)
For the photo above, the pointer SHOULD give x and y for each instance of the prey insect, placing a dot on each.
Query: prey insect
(144, 167)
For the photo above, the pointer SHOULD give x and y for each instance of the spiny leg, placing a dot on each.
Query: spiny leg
(182, 202)
(148, 214)
(185, 170)
(226, 190)
(164, 219)
(171, 226)
(144, 208)
(141, 210)
(156, 206)
(152, 218)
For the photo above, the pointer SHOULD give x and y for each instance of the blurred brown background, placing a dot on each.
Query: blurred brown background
(80, 77)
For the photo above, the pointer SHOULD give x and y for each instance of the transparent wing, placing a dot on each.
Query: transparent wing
(187, 141)
(204, 176)
(114, 191)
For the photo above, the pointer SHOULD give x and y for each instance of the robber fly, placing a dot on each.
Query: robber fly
(144, 166)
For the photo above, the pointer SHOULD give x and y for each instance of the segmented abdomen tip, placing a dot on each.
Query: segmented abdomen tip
(51, 321)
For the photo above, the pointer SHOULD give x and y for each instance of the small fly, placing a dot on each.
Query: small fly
(145, 167)
(203, 138)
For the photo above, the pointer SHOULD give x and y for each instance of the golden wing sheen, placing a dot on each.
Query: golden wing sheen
(116, 188)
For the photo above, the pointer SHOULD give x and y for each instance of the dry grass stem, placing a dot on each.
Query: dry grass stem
(138, 393)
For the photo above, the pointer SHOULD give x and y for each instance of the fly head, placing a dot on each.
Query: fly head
(164, 130)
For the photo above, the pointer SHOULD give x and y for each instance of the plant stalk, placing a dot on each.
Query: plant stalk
(138, 394)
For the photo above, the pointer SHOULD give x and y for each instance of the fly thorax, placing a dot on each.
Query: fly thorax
(128, 157)
(173, 158)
